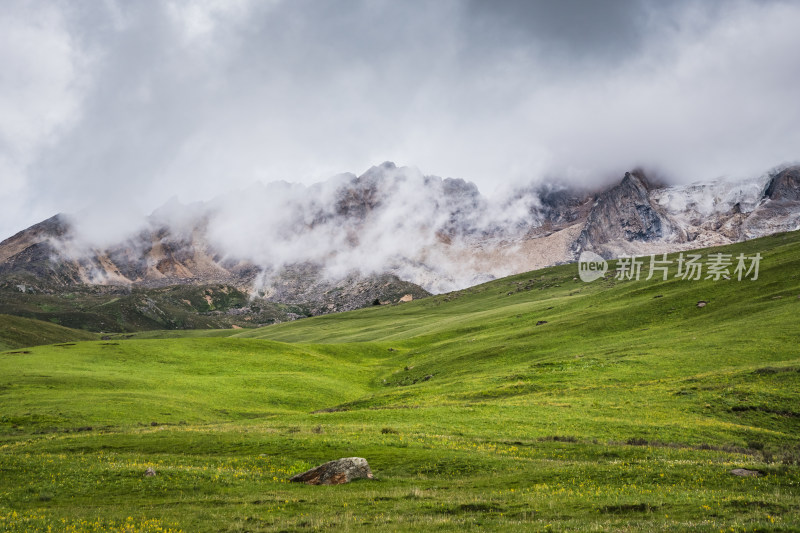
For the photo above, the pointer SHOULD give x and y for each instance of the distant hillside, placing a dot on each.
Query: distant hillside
(18, 332)
(124, 309)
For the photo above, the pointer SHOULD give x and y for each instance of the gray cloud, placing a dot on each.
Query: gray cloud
(571, 30)
(111, 108)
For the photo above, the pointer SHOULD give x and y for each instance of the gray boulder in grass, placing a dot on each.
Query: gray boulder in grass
(336, 472)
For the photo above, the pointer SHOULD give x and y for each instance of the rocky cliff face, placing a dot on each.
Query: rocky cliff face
(624, 215)
(563, 207)
(636, 218)
(784, 186)
(779, 208)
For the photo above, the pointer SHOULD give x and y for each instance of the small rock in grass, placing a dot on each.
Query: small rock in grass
(336, 472)
(744, 472)
(702, 303)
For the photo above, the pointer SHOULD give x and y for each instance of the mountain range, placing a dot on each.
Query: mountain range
(282, 251)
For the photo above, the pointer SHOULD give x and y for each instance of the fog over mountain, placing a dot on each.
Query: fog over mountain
(108, 109)
(296, 243)
(440, 233)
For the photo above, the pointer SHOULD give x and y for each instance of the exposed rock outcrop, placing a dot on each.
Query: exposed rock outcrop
(336, 472)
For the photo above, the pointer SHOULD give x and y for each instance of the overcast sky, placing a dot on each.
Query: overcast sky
(116, 106)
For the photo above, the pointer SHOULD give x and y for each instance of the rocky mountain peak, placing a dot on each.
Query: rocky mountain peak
(785, 185)
(633, 186)
(624, 213)
(632, 180)
(53, 228)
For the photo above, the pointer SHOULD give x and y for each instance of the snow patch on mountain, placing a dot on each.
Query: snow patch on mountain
(697, 201)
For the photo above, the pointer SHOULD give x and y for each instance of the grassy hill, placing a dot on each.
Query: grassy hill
(18, 332)
(130, 309)
(536, 402)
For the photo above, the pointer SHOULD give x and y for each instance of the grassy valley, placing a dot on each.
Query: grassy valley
(535, 402)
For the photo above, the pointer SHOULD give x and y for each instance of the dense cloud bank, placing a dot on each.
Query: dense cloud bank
(113, 107)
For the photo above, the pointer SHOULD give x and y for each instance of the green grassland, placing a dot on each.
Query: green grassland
(532, 403)
(19, 332)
